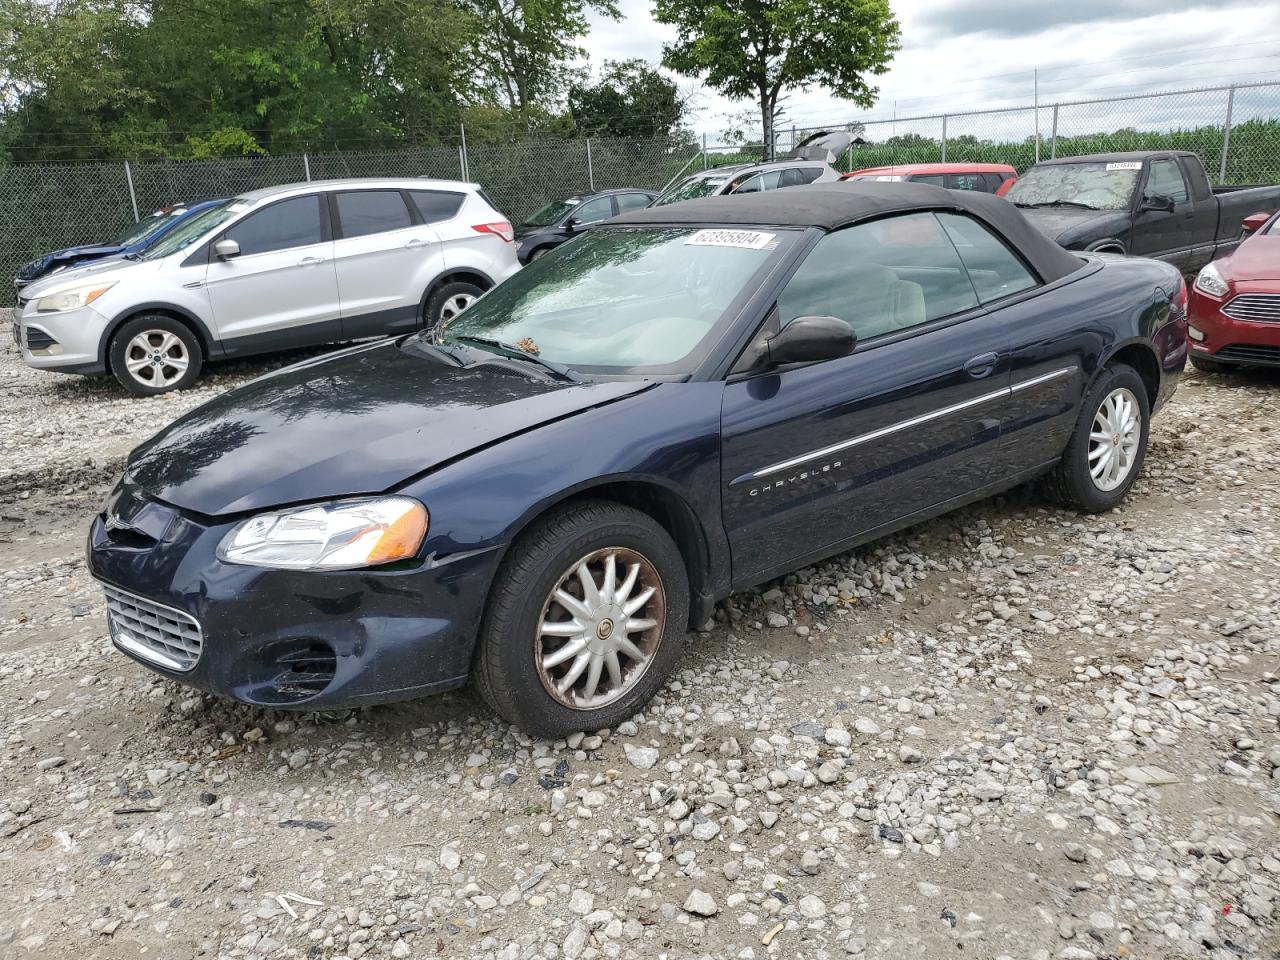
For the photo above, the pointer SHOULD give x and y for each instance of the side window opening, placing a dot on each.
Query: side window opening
(1166, 179)
(996, 271)
(880, 277)
(364, 212)
(289, 223)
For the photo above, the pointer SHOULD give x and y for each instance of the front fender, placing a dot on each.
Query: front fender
(667, 437)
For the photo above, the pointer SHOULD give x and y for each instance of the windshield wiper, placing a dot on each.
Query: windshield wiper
(513, 352)
(133, 256)
(1056, 203)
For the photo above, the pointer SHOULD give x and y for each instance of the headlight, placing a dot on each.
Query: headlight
(1210, 281)
(72, 297)
(329, 536)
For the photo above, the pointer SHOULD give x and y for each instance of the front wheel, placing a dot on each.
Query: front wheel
(154, 354)
(1105, 453)
(585, 621)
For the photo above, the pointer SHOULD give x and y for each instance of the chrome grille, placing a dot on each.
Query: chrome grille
(1255, 306)
(150, 631)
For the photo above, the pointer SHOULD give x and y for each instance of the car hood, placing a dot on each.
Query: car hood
(1258, 258)
(68, 253)
(1063, 224)
(107, 269)
(357, 422)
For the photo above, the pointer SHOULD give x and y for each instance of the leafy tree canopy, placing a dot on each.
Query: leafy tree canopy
(630, 99)
(83, 79)
(761, 48)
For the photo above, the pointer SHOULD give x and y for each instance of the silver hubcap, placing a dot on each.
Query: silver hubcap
(601, 626)
(1113, 440)
(455, 305)
(156, 358)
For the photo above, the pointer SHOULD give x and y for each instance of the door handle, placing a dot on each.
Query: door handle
(308, 261)
(415, 242)
(982, 365)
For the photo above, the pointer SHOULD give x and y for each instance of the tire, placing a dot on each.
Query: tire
(1205, 365)
(538, 253)
(1072, 482)
(153, 354)
(513, 667)
(447, 302)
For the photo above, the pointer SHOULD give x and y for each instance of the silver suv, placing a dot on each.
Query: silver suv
(289, 266)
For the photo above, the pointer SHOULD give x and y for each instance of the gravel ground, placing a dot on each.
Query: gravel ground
(1012, 732)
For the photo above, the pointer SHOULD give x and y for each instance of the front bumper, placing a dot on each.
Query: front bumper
(1228, 340)
(66, 342)
(363, 636)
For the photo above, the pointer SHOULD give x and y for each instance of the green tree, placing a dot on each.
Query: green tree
(760, 48)
(630, 99)
(91, 78)
(524, 49)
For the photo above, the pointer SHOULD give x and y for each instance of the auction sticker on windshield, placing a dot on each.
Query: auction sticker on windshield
(748, 239)
(1125, 165)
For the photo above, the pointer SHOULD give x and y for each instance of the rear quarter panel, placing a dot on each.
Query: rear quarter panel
(1112, 304)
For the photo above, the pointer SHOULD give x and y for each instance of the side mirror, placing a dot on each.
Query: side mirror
(808, 339)
(226, 249)
(1255, 222)
(1158, 202)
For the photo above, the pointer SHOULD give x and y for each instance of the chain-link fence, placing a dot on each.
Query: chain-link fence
(1235, 130)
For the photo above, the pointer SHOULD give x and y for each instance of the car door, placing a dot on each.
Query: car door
(281, 289)
(815, 456)
(379, 243)
(1160, 233)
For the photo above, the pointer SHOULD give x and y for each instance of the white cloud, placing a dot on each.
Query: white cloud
(978, 54)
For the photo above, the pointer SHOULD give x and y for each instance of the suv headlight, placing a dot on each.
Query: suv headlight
(343, 535)
(1210, 281)
(72, 297)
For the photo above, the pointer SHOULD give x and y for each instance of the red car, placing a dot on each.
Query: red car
(1235, 303)
(994, 178)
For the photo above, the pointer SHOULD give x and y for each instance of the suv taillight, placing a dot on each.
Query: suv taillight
(1180, 298)
(501, 228)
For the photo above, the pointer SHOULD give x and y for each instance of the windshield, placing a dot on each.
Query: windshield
(143, 228)
(690, 188)
(644, 300)
(188, 233)
(551, 213)
(1100, 186)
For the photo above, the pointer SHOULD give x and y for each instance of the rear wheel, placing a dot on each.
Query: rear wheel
(585, 621)
(443, 306)
(1206, 365)
(154, 354)
(1105, 453)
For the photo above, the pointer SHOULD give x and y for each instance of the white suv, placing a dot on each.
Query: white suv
(289, 266)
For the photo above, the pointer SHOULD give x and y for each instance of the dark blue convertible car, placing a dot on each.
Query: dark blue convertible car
(543, 495)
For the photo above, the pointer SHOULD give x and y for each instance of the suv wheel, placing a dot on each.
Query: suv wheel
(446, 303)
(154, 354)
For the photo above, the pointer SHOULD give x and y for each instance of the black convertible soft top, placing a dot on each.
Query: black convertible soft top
(830, 206)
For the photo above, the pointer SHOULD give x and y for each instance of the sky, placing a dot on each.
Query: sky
(977, 54)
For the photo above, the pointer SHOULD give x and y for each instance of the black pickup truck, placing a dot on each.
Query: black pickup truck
(1149, 204)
